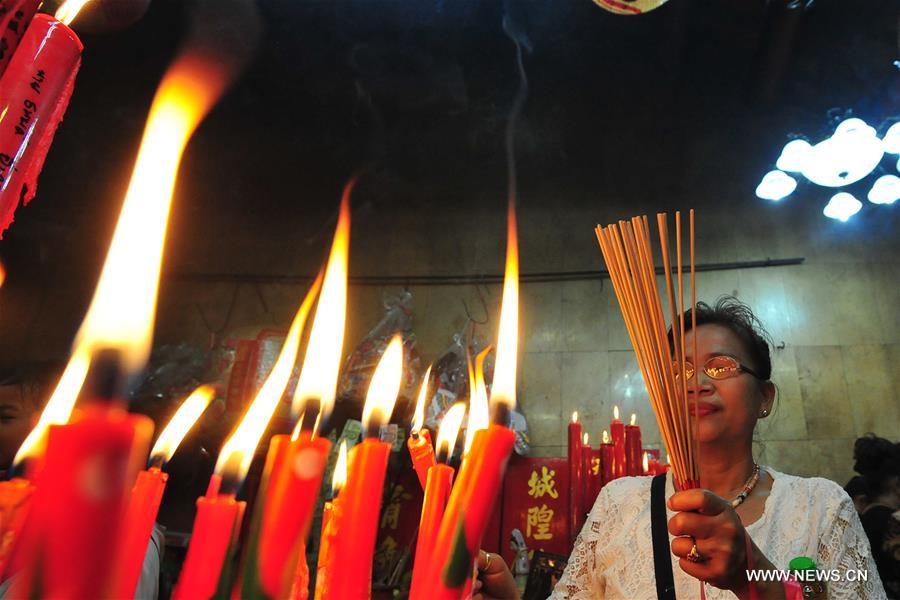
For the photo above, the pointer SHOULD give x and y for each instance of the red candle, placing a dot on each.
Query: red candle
(468, 510)
(586, 498)
(422, 453)
(213, 540)
(70, 537)
(594, 476)
(15, 502)
(419, 443)
(34, 92)
(617, 429)
(289, 502)
(15, 18)
(633, 448)
(354, 546)
(331, 515)
(437, 491)
(576, 476)
(607, 458)
(143, 502)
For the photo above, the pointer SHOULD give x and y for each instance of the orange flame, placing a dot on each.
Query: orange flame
(68, 10)
(633, 419)
(59, 407)
(2, 274)
(585, 439)
(178, 427)
(121, 314)
(504, 387)
(478, 401)
(646, 462)
(575, 416)
(605, 437)
(448, 430)
(385, 386)
(616, 412)
(339, 479)
(419, 415)
(322, 362)
(237, 453)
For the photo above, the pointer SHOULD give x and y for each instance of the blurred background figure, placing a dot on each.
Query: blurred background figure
(878, 461)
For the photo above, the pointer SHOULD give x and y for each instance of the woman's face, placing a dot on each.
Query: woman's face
(16, 420)
(727, 408)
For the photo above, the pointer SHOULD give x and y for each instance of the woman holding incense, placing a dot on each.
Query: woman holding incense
(744, 516)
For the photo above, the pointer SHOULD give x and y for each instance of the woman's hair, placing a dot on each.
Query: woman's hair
(878, 461)
(734, 315)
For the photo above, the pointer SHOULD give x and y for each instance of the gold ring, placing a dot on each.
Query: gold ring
(694, 555)
(487, 561)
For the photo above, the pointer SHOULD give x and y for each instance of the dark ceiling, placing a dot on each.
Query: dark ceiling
(419, 91)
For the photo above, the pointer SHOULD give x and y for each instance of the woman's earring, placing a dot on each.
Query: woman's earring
(764, 413)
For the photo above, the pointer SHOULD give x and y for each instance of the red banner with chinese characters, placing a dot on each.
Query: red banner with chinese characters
(535, 501)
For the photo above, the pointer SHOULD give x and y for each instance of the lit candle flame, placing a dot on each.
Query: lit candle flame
(419, 416)
(503, 392)
(339, 479)
(178, 427)
(69, 9)
(59, 407)
(646, 462)
(478, 401)
(121, 314)
(605, 437)
(384, 387)
(448, 431)
(575, 416)
(616, 412)
(237, 453)
(633, 419)
(322, 362)
(586, 439)
(2, 274)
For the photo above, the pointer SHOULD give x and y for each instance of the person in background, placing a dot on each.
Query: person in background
(878, 460)
(24, 390)
(857, 488)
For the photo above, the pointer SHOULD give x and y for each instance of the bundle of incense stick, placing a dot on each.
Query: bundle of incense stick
(629, 258)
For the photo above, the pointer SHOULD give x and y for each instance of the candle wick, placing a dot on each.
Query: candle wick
(500, 414)
(106, 378)
(373, 427)
(309, 420)
(17, 470)
(156, 461)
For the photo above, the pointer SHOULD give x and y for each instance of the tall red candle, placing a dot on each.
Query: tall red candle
(437, 491)
(71, 535)
(213, 539)
(586, 499)
(633, 448)
(354, 546)
(143, 502)
(290, 498)
(331, 516)
(607, 458)
(576, 476)
(617, 430)
(421, 451)
(34, 92)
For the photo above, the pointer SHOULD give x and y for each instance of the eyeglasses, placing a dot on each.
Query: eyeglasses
(717, 367)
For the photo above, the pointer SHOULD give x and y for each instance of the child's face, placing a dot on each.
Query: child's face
(16, 420)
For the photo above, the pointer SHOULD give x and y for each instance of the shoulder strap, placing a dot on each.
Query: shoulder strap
(662, 553)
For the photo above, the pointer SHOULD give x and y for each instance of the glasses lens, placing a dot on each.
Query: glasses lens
(688, 370)
(722, 367)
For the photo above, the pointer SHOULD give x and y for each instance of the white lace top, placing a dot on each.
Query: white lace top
(613, 555)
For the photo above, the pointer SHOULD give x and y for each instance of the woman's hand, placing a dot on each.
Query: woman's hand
(722, 544)
(492, 580)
